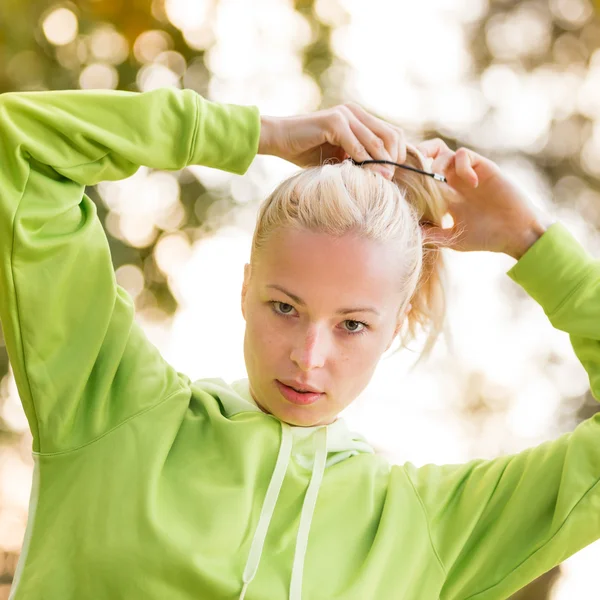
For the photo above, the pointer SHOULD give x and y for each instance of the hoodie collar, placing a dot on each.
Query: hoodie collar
(315, 448)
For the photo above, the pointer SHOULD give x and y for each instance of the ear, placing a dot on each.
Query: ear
(247, 273)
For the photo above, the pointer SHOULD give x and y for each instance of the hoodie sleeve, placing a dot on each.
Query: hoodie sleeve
(81, 364)
(497, 525)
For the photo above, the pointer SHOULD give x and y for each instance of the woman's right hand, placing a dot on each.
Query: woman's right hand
(346, 130)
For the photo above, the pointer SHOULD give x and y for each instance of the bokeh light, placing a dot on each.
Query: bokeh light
(99, 76)
(109, 46)
(60, 26)
(188, 14)
(131, 278)
(150, 44)
(572, 13)
(524, 32)
(154, 76)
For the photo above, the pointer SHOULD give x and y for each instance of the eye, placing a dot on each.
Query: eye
(275, 302)
(363, 327)
(284, 313)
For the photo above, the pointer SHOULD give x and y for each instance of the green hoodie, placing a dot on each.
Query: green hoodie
(150, 486)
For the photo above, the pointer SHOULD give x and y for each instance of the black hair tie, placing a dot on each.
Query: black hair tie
(436, 176)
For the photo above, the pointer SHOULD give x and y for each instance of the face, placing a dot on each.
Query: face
(301, 334)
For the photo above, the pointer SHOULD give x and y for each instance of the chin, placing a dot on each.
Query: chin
(296, 420)
(306, 420)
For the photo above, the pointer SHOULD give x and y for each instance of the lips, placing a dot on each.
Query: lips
(298, 398)
(300, 387)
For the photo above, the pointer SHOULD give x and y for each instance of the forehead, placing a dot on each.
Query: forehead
(350, 264)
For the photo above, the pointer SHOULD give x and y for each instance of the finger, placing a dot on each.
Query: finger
(374, 145)
(443, 162)
(388, 133)
(464, 167)
(402, 145)
(339, 133)
(433, 147)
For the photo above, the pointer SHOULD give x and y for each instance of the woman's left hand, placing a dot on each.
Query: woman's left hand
(489, 211)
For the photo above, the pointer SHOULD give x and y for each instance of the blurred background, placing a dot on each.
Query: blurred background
(517, 81)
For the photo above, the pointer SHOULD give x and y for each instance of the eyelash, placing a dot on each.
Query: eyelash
(366, 326)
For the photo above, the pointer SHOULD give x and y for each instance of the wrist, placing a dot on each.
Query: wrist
(265, 143)
(526, 240)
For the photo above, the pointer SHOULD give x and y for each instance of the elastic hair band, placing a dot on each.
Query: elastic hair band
(435, 176)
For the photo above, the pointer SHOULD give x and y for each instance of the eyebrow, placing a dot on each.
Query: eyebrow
(341, 311)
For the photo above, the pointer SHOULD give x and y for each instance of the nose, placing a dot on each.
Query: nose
(310, 349)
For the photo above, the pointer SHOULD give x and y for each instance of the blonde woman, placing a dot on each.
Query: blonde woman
(150, 486)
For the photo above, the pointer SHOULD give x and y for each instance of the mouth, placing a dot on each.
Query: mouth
(297, 397)
(298, 387)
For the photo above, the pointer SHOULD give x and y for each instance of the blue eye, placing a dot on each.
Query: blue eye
(273, 303)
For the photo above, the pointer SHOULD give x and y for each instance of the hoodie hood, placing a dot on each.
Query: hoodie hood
(314, 448)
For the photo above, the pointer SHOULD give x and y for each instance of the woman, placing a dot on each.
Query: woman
(148, 485)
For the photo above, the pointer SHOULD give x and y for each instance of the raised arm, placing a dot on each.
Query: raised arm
(81, 363)
(497, 525)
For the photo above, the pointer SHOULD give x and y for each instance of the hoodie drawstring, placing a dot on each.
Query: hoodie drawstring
(283, 458)
(308, 507)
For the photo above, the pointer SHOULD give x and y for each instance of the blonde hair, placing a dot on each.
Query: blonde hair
(343, 198)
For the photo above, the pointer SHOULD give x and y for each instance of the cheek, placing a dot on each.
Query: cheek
(357, 364)
(262, 335)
